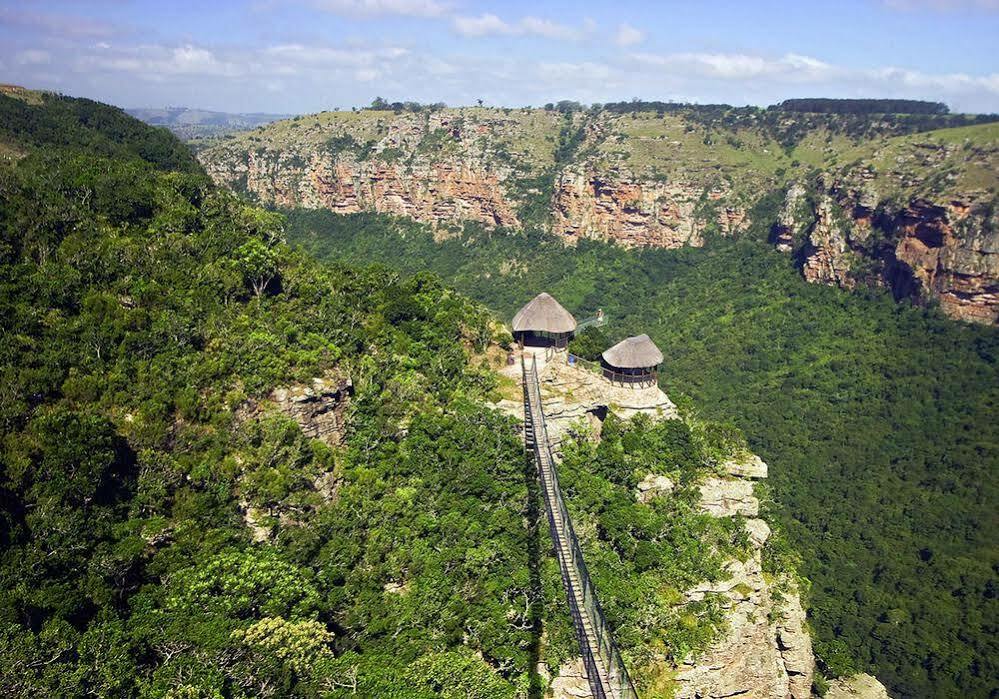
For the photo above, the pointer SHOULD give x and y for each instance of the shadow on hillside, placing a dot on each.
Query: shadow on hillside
(534, 552)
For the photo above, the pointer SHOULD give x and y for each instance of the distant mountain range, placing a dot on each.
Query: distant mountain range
(198, 123)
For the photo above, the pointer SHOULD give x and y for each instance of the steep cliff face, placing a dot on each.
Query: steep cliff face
(765, 649)
(489, 166)
(914, 213)
(617, 206)
(949, 252)
(437, 170)
(924, 250)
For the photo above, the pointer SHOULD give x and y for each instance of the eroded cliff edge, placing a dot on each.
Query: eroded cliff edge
(843, 232)
(764, 649)
(914, 213)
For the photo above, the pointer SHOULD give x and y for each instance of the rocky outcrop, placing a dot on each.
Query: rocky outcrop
(653, 486)
(946, 251)
(723, 497)
(765, 650)
(746, 466)
(828, 256)
(574, 393)
(789, 217)
(857, 687)
(616, 206)
(949, 252)
(444, 192)
(571, 681)
(318, 407)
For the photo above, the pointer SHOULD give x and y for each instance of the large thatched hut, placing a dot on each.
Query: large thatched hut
(634, 360)
(543, 323)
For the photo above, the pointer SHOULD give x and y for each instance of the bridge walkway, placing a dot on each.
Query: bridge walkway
(605, 671)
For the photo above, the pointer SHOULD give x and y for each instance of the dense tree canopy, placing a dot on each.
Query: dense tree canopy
(863, 106)
(878, 420)
(141, 313)
(62, 122)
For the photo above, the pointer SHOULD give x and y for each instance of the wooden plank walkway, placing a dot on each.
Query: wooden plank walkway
(605, 670)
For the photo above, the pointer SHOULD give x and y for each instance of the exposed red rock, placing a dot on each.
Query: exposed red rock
(617, 207)
(435, 193)
(927, 250)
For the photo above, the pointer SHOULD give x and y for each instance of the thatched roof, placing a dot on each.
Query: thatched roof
(544, 314)
(634, 353)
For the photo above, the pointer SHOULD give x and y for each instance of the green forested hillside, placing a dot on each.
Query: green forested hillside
(167, 530)
(131, 336)
(878, 421)
(31, 120)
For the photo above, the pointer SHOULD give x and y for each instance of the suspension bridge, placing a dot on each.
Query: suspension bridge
(605, 670)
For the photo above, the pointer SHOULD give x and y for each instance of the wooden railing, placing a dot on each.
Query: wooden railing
(616, 377)
(605, 669)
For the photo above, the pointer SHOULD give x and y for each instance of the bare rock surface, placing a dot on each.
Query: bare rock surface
(619, 206)
(795, 647)
(726, 497)
(571, 682)
(924, 248)
(573, 392)
(748, 466)
(755, 657)
(758, 530)
(860, 686)
(318, 407)
(765, 650)
(653, 486)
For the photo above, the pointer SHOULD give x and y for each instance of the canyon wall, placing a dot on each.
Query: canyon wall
(437, 171)
(616, 206)
(944, 251)
(914, 214)
(483, 166)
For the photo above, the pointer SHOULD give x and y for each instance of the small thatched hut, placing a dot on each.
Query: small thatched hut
(543, 323)
(634, 360)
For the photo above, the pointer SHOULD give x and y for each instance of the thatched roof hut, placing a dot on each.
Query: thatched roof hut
(544, 314)
(638, 352)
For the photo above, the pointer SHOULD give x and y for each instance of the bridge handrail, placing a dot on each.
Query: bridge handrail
(640, 380)
(596, 321)
(617, 673)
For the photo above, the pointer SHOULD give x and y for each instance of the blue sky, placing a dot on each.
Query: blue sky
(291, 56)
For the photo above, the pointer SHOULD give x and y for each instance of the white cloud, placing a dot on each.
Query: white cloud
(488, 24)
(627, 35)
(484, 25)
(33, 57)
(287, 55)
(309, 76)
(374, 8)
(548, 29)
(564, 72)
(738, 66)
(58, 25)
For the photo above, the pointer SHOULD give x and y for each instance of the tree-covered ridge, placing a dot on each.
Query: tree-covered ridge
(877, 420)
(42, 120)
(135, 325)
(863, 106)
(643, 556)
